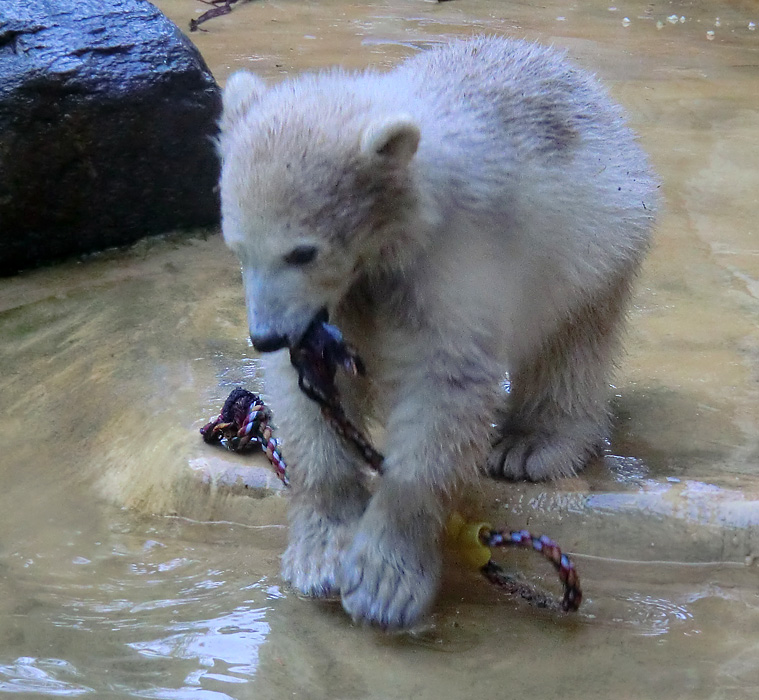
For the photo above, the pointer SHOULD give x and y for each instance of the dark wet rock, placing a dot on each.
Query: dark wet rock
(106, 114)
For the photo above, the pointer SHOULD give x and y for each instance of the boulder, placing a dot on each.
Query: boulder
(107, 113)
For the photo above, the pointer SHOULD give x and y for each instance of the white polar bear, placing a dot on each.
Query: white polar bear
(480, 210)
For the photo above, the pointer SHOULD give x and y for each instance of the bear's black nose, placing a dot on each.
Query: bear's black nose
(269, 343)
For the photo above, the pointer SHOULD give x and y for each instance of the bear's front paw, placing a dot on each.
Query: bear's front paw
(388, 578)
(538, 455)
(318, 542)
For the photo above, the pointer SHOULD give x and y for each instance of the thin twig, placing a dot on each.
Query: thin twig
(220, 7)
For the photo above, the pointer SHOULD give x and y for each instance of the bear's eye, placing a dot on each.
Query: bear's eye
(301, 255)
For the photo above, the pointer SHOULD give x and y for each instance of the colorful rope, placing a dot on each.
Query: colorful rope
(545, 546)
(244, 423)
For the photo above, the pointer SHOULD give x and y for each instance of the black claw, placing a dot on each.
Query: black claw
(352, 588)
(403, 617)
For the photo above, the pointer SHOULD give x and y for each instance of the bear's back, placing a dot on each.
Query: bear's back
(527, 94)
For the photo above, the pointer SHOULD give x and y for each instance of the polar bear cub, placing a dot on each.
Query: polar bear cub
(476, 213)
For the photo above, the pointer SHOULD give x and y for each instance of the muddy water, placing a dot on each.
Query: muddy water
(131, 566)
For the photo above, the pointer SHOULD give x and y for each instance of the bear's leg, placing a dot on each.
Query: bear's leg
(328, 493)
(320, 531)
(438, 431)
(556, 415)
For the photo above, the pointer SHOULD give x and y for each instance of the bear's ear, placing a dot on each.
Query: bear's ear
(392, 140)
(243, 89)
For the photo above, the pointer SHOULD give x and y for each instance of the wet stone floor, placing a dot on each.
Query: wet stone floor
(131, 565)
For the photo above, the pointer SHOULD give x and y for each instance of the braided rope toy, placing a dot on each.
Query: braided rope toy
(245, 423)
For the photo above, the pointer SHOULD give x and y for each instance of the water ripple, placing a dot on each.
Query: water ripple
(234, 638)
(28, 674)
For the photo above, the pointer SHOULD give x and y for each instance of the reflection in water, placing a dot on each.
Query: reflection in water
(109, 367)
(233, 639)
(42, 676)
(655, 616)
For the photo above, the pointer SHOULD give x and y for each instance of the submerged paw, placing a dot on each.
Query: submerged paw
(311, 563)
(312, 573)
(389, 586)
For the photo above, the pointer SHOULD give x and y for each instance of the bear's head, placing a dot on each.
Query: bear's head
(317, 190)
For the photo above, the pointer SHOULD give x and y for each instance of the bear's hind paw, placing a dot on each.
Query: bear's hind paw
(536, 456)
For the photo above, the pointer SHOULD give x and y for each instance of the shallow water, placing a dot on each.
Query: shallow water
(125, 571)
